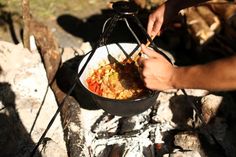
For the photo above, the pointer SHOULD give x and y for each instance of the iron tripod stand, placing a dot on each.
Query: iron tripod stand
(123, 10)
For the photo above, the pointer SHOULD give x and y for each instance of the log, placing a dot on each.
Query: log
(70, 111)
(48, 48)
(70, 116)
(26, 23)
(189, 140)
(115, 151)
(211, 19)
(210, 106)
(225, 11)
(197, 26)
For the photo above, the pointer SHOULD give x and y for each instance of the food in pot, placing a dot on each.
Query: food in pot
(117, 81)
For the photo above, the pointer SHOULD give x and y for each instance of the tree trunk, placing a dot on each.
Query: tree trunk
(26, 22)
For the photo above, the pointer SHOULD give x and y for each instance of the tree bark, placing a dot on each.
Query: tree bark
(26, 22)
(58, 74)
(48, 48)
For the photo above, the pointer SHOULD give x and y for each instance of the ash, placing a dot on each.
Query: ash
(106, 135)
(169, 128)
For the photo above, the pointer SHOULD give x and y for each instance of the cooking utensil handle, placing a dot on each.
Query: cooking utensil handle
(140, 52)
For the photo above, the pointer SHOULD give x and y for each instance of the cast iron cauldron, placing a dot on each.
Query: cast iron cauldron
(107, 54)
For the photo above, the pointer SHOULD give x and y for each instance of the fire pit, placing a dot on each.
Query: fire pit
(146, 134)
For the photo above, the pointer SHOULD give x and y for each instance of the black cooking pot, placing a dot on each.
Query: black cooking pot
(105, 55)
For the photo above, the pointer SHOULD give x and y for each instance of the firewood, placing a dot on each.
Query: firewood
(70, 111)
(26, 22)
(48, 48)
(198, 26)
(116, 151)
(211, 19)
(210, 106)
(224, 10)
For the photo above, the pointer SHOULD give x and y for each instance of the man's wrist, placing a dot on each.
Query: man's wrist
(174, 78)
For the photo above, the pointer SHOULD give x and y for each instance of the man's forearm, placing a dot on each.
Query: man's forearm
(217, 75)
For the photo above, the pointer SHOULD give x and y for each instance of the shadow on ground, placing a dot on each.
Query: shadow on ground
(90, 29)
(7, 25)
(183, 111)
(15, 141)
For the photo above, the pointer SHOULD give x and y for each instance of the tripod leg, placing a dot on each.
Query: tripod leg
(52, 120)
(154, 46)
(107, 32)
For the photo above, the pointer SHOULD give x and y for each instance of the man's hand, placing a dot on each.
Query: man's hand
(155, 21)
(162, 15)
(155, 70)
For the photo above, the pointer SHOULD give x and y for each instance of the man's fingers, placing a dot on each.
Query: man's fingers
(154, 25)
(150, 53)
(150, 27)
(140, 61)
(156, 28)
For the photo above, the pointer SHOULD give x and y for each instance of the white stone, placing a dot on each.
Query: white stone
(25, 72)
(183, 154)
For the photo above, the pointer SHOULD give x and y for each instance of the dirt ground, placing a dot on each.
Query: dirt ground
(70, 23)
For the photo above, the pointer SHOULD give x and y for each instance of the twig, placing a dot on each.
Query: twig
(26, 21)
